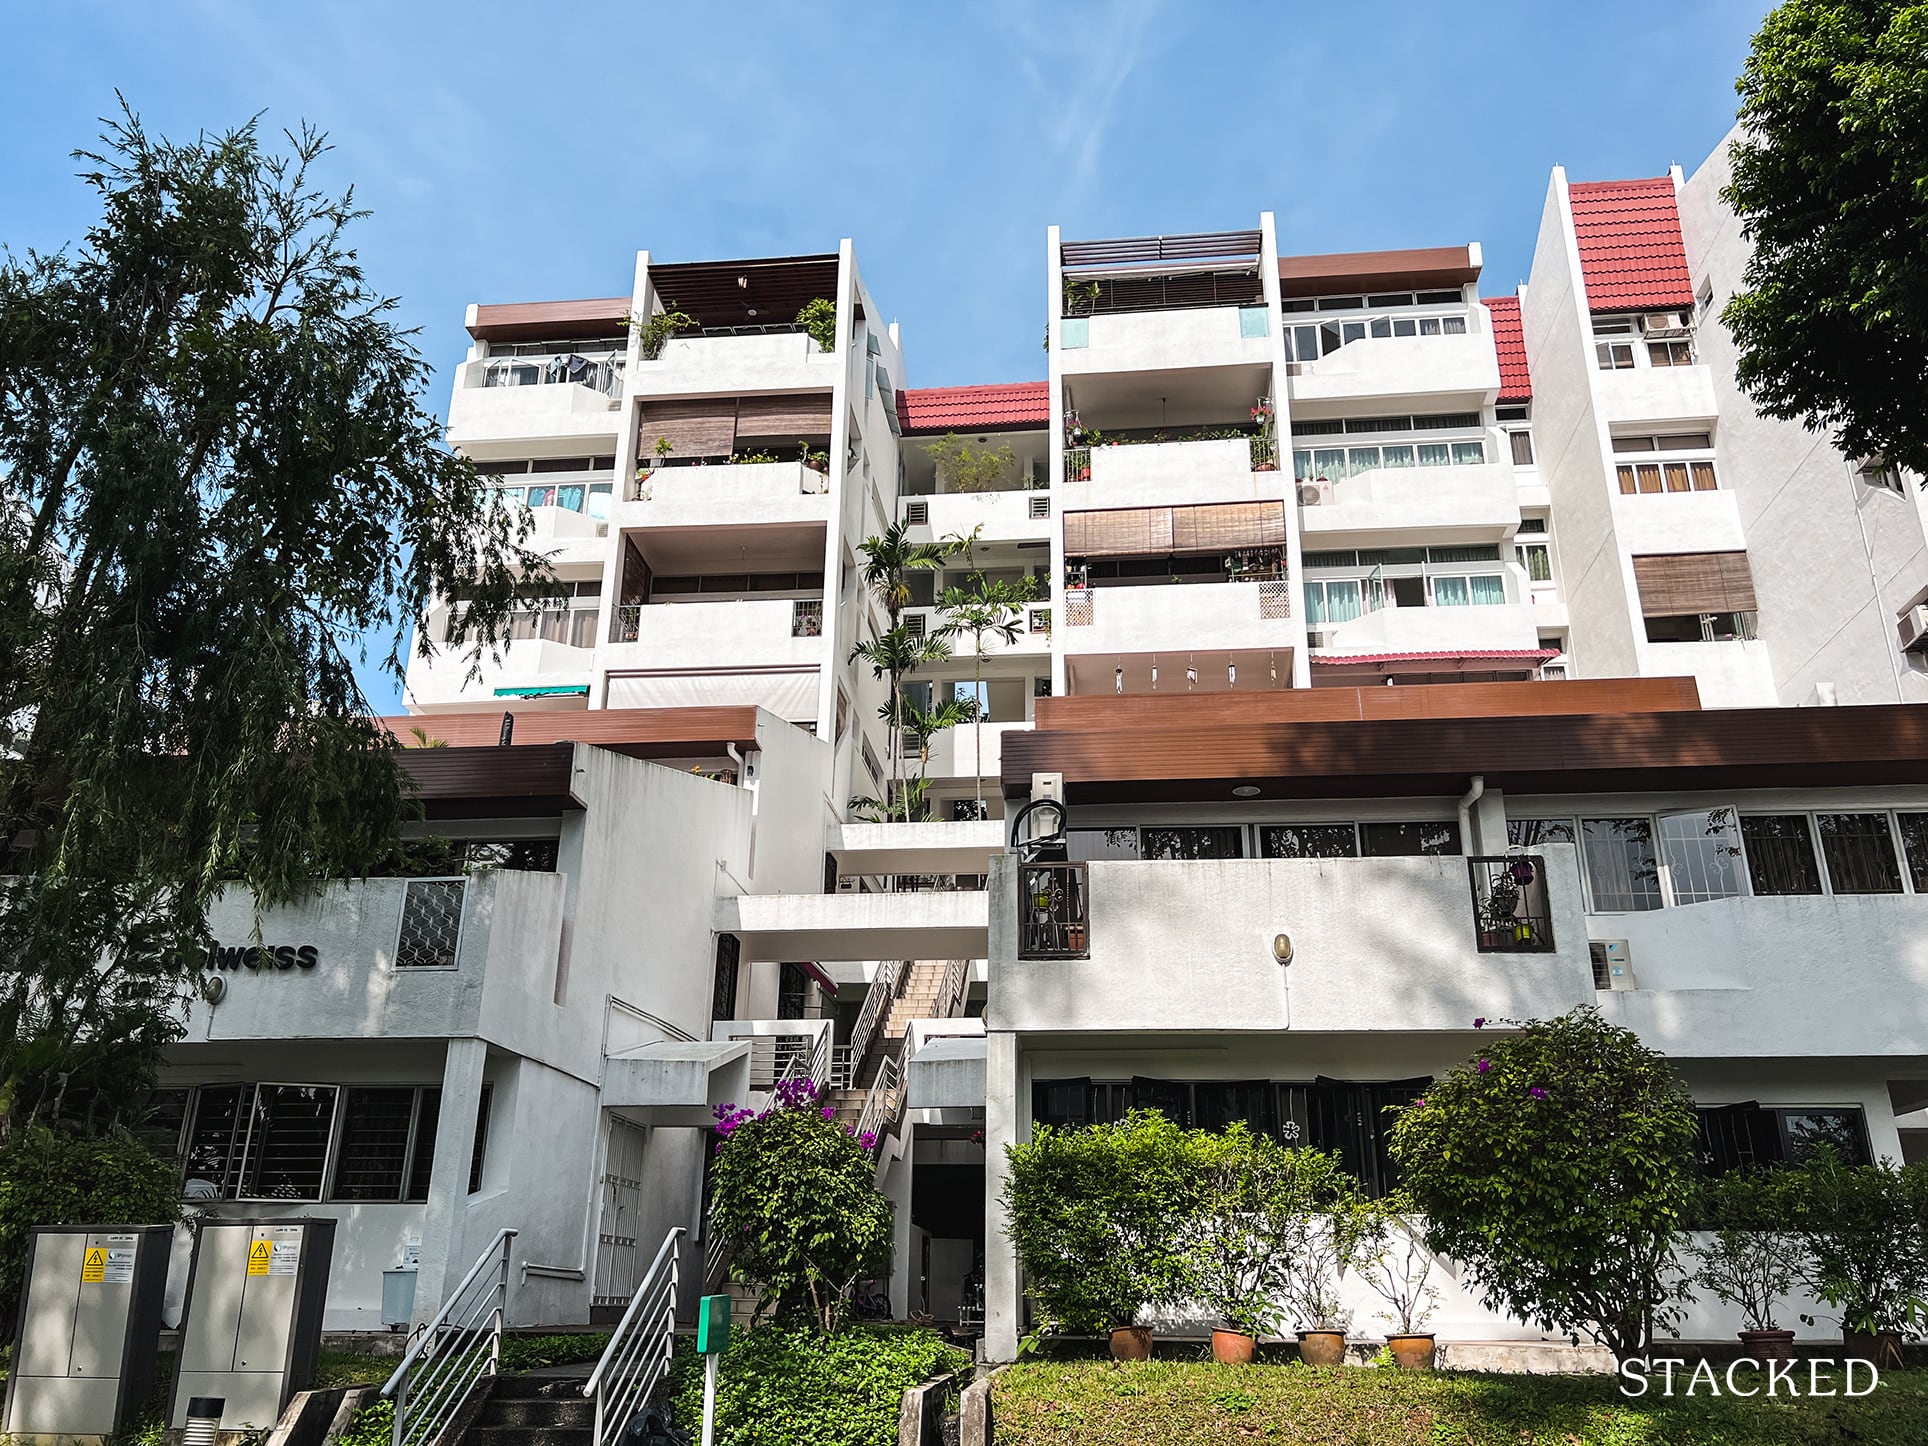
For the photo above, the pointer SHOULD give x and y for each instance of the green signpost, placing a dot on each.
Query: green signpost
(712, 1339)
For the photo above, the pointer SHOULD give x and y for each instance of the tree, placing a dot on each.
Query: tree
(971, 468)
(896, 652)
(984, 608)
(795, 1200)
(217, 492)
(1556, 1165)
(1831, 185)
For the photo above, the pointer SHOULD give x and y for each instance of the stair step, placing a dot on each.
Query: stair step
(528, 1436)
(571, 1412)
(557, 1389)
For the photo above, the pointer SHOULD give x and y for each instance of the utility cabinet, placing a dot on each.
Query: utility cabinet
(252, 1328)
(90, 1319)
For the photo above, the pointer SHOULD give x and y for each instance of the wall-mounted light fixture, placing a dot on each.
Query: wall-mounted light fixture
(1282, 948)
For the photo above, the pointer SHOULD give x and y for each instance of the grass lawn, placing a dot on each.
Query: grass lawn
(1099, 1403)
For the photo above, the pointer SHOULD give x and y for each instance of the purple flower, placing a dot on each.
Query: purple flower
(829, 1113)
(1536, 1092)
(1419, 1099)
(1479, 1023)
(1484, 1065)
(868, 1140)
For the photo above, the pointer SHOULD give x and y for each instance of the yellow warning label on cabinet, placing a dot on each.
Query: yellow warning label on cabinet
(93, 1266)
(259, 1254)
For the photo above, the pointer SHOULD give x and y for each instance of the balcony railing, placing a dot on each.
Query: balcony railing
(806, 618)
(1512, 913)
(1053, 911)
(604, 375)
(1077, 464)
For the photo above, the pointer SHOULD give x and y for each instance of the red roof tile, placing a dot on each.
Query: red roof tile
(1509, 340)
(1012, 407)
(1631, 254)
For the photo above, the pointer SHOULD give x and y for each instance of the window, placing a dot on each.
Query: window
(1522, 445)
(386, 1152)
(1780, 854)
(1914, 844)
(479, 1154)
(729, 955)
(162, 1121)
(1484, 590)
(1537, 560)
(1877, 473)
(1527, 833)
(1665, 474)
(1192, 843)
(793, 991)
(531, 855)
(1401, 840)
(287, 1147)
(214, 1142)
(1337, 601)
(1703, 855)
(1085, 844)
(1614, 356)
(1041, 686)
(1670, 354)
(431, 928)
(1734, 1137)
(1308, 841)
(1859, 851)
(1622, 872)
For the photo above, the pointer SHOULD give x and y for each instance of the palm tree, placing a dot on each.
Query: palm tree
(889, 560)
(924, 726)
(984, 608)
(894, 655)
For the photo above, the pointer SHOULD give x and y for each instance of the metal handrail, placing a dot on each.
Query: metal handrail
(639, 1350)
(880, 1104)
(953, 987)
(883, 988)
(459, 1348)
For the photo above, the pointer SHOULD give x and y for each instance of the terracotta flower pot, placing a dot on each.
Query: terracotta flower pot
(1768, 1345)
(1881, 1347)
(1131, 1343)
(1233, 1348)
(1412, 1353)
(1322, 1348)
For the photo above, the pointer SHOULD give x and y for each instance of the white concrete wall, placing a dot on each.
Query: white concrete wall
(1175, 617)
(1834, 560)
(1512, 625)
(693, 365)
(1148, 341)
(1170, 474)
(1731, 674)
(1379, 944)
(1670, 522)
(485, 417)
(1654, 394)
(1395, 506)
(763, 493)
(999, 516)
(1421, 369)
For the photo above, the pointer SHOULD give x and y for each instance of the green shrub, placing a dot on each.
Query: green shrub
(819, 319)
(1557, 1165)
(372, 1425)
(778, 1387)
(49, 1179)
(1865, 1230)
(795, 1198)
(530, 1353)
(1751, 1254)
(1097, 1216)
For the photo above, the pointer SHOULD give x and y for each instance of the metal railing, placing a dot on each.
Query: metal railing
(1275, 599)
(1078, 611)
(626, 623)
(604, 375)
(806, 618)
(886, 1096)
(951, 990)
(1077, 464)
(1512, 913)
(639, 1350)
(460, 1347)
(1052, 911)
(782, 1050)
(883, 989)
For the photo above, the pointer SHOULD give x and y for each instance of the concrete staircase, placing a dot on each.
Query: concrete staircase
(918, 983)
(535, 1410)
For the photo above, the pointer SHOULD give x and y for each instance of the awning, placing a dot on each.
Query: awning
(816, 972)
(1458, 657)
(573, 690)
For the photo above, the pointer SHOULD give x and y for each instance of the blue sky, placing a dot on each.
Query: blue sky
(525, 152)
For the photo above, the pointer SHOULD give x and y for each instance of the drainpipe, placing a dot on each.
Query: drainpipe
(1473, 795)
(753, 785)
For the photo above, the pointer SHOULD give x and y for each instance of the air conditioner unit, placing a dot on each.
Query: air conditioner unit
(1661, 324)
(1914, 629)
(1612, 968)
(1314, 494)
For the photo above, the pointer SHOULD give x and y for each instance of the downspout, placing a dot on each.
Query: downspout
(1473, 795)
(753, 785)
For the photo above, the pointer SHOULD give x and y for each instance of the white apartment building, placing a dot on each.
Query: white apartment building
(1352, 586)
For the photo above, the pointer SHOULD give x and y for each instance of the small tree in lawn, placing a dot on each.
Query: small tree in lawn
(796, 1203)
(1557, 1164)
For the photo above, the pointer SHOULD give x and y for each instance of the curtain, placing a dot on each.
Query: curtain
(1488, 590)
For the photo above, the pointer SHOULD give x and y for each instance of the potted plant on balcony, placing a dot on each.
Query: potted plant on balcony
(1080, 297)
(1749, 1256)
(1265, 453)
(1396, 1265)
(657, 331)
(818, 462)
(819, 322)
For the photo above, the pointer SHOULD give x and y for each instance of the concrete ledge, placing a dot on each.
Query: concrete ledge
(974, 1424)
(1525, 1358)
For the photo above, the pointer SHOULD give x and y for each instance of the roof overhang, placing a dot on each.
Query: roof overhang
(638, 732)
(1431, 266)
(549, 320)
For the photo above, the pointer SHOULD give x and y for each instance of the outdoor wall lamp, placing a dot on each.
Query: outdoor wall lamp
(1282, 948)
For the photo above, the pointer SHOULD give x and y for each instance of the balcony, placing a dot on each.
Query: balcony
(1173, 617)
(1656, 394)
(1010, 516)
(1376, 944)
(723, 493)
(1512, 911)
(953, 752)
(1425, 369)
(1053, 915)
(513, 399)
(1148, 473)
(530, 669)
(1646, 523)
(1497, 627)
(1033, 636)
(931, 847)
(1410, 504)
(1151, 341)
(774, 358)
(703, 634)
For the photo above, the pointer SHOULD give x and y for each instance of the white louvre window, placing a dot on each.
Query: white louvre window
(431, 924)
(288, 1142)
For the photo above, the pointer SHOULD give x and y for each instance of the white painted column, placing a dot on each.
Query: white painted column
(1006, 1121)
(444, 1251)
(897, 1191)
